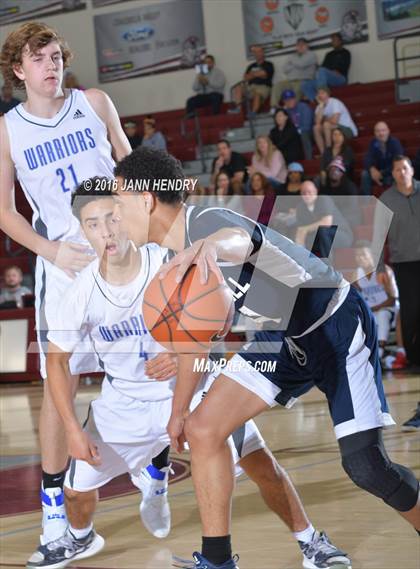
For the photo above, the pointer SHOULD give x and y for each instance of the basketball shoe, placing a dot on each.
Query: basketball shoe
(202, 563)
(54, 518)
(413, 424)
(63, 551)
(154, 507)
(320, 553)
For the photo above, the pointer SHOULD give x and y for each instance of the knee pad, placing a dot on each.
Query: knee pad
(371, 469)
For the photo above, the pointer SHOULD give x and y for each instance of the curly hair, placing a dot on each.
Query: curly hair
(35, 35)
(146, 163)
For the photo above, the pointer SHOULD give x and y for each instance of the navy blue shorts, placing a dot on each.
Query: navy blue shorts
(340, 357)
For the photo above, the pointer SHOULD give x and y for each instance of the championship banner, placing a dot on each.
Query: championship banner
(148, 40)
(277, 24)
(394, 17)
(17, 10)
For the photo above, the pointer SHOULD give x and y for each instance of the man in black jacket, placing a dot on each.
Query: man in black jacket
(333, 71)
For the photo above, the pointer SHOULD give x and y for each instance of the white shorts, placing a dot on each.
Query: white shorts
(137, 436)
(50, 290)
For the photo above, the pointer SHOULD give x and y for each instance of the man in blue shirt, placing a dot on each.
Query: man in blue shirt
(378, 160)
(302, 117)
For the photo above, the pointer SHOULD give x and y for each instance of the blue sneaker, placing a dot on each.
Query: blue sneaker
(202, 563)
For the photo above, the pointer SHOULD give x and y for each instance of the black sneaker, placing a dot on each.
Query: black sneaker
(63, 551)
(320, 553)
(413, 424)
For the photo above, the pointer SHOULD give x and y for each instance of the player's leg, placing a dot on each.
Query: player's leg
(153, 482)
(281, 497)
(359, 409)
(207, 430)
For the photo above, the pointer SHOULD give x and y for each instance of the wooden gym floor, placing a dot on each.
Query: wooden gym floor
(302, 440)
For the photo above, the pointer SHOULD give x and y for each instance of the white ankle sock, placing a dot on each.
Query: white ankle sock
(80, 533)
(306, 535)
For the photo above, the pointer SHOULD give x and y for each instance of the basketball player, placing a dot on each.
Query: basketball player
(310, 306)
(53, 141)
(105, 301)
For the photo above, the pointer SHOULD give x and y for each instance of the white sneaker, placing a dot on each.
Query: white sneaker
(154, 507)
(54, 518)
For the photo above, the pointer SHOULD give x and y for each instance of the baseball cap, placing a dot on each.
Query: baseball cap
(295, 167)
(337, 163)
(288, 94)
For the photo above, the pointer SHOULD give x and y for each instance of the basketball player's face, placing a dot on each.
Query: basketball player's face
(364, 257)
(132, 211)
(42, 71)
(103, 231)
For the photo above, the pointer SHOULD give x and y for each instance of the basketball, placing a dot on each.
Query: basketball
(188, 316)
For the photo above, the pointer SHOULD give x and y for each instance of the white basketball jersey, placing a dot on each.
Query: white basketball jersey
(110, 319)
(372, 291)
(53, 156)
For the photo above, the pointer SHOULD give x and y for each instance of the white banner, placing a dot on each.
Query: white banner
(394, 17)
(277, 24)
(151, 39)
(17, 10)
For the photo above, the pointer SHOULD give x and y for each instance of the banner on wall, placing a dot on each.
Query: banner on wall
(17, 10)
(394, 17)
(151, 39)
(100, 3)
(277, 24)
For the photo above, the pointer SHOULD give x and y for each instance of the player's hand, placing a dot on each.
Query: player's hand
(71, 257)
(201, 253)
(175, 430)
(81, 447)
(162, 367)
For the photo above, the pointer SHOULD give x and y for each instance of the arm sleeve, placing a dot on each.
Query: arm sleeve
(218, 80)
(161, 141)
(69, 325)
(209, 220)
(197, 85)
(369, 157)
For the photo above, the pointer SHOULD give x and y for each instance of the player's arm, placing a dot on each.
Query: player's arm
(68, 256)
(105, 109)
(80, 446)
(390, 289)
(186, 384)
(232, 244)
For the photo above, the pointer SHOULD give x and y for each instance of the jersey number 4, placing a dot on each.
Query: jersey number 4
(62, 174)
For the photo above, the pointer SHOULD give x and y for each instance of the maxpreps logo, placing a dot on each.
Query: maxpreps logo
(138, 34)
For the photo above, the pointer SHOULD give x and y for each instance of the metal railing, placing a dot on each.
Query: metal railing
(248, 113)
(197, 136)
(399, 80)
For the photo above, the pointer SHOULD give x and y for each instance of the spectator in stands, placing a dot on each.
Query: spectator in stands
(7, 101)
(302, 117)
(13, 291)
(339, 148)
(131, 130)
(230, 162)
(333, 71)
(378, 160)
(316, 218)
(330, 113)
(300, 66)
(268, 160)
(224, 193)
(338, 185)
(285, 220)
(382, 297)
(403, 199)
(285, 137)
(294, 180)
(261, 207)
(71, 81)
(209, 84)
(257, 82)
(151, 136)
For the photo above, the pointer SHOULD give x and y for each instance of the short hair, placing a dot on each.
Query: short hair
(210, 57)
(146, 163)
(224, 141)
(400, 158)
(13, 268)
(324, 88)
(34, 34)
(91, 190)
(303, 40)
(337, 35)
